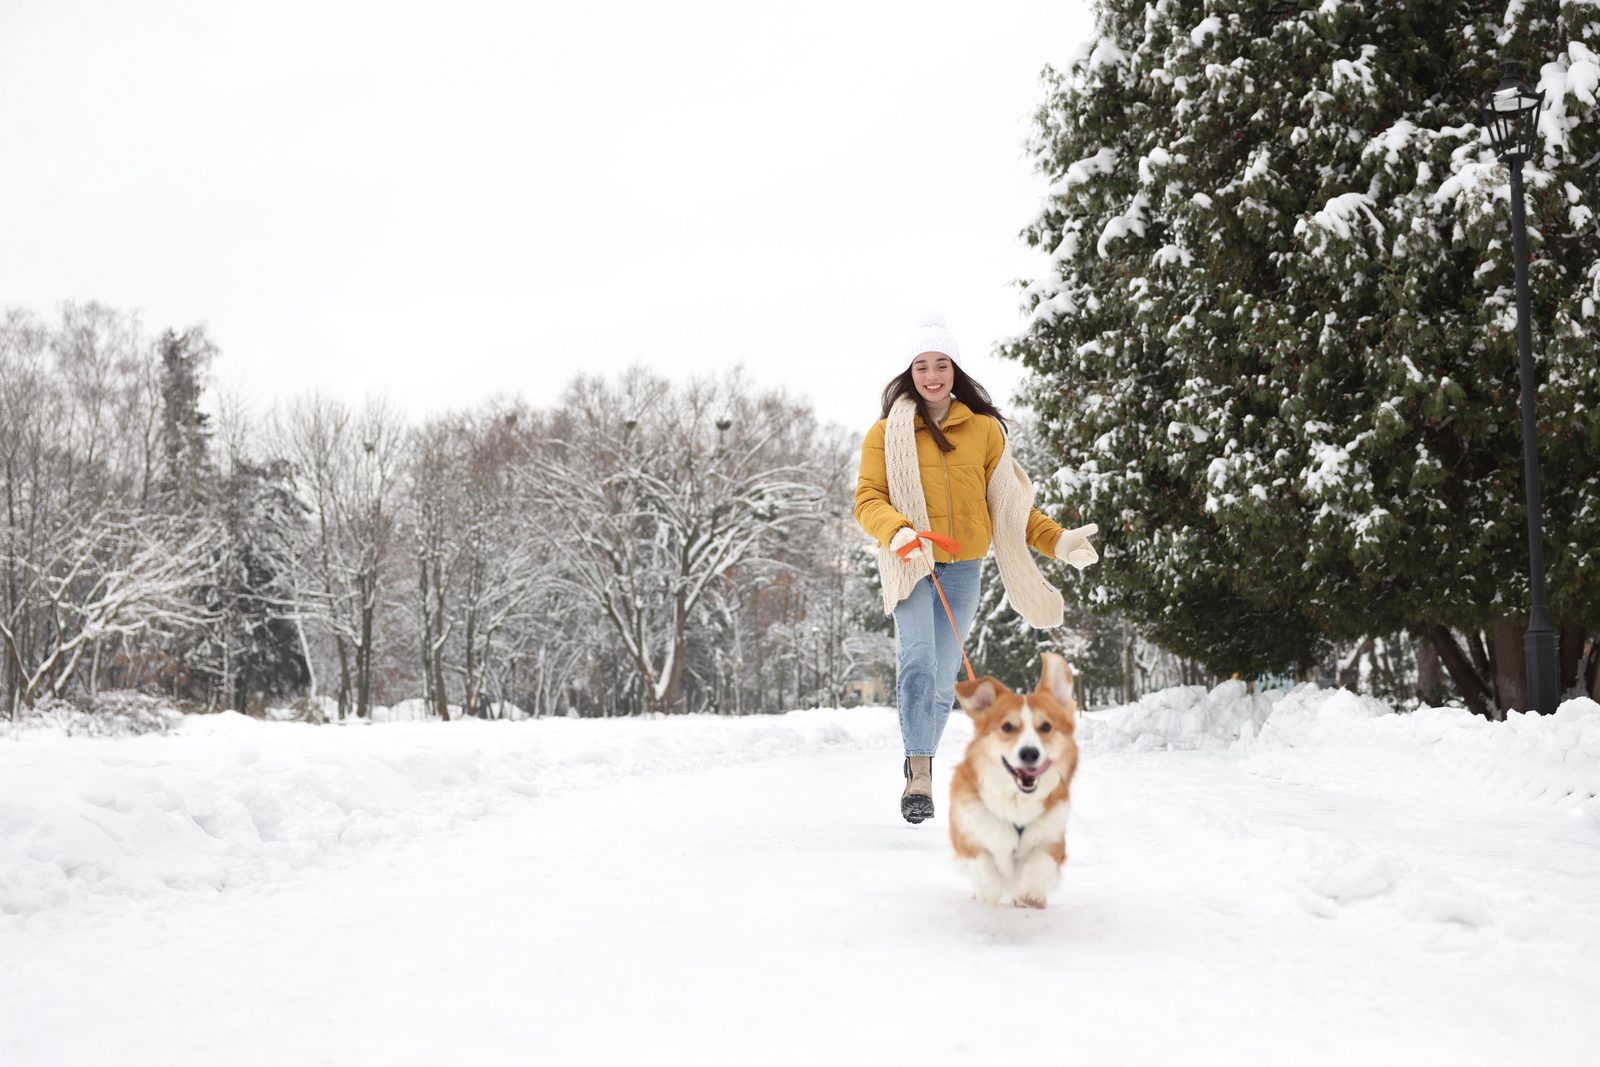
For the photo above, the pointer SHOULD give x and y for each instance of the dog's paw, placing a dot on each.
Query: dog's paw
(1029, 902)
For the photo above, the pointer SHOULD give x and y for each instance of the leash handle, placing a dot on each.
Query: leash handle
(951, 546)
(939, 541)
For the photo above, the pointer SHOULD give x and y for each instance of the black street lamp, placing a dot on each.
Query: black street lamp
(1512, 115)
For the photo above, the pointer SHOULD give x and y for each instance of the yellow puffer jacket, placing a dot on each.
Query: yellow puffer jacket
(956, 485)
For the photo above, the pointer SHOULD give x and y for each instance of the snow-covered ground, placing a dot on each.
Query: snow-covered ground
(1300, 878)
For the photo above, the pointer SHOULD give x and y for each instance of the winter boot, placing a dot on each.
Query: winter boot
(916, 800)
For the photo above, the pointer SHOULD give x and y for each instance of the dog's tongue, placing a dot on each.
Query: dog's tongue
(1032, 773)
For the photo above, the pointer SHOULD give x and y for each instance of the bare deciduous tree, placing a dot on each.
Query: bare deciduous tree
(655, 491)
(348, 466)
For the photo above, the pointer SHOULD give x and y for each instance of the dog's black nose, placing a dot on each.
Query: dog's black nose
(1028, 755)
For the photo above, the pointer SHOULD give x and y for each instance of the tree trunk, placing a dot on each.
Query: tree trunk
(1571, 655)
(441, 692)
(426, 614)
(1127, 665)
(311, 668)
(1480, 655)
(1430, 682)
(364, 666)
(1383, 668)
(1468, 683)
(225, 684)
(469, 699)
(344, 675)
(1510, 674)
(1350, 670)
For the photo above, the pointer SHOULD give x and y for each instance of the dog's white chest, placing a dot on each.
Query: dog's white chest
(1011, 831)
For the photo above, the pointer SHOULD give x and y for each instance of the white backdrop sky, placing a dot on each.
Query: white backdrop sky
(438, 201)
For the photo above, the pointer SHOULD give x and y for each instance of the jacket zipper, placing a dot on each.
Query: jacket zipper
(949, 496)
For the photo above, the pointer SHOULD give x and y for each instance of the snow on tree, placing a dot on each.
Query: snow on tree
(348, 466)
(93, 582)
(652, 493)
(1273, 343)
(800, 626)
(251, 651)
(258, 650)
(184, 426)
(478, 576)
(433, 504)
(107, 581)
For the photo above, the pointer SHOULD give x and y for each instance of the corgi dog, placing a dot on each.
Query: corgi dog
(1008, 796)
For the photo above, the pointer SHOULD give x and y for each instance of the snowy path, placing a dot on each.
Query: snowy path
(779, 912)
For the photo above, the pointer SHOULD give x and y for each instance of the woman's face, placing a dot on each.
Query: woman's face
(933, 374)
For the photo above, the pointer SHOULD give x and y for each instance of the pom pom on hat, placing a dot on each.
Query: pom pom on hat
(930, 335)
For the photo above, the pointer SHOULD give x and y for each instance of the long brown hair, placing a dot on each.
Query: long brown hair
(966, 389)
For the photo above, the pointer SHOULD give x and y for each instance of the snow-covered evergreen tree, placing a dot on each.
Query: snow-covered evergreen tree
(1274, 344)
(257, 646)
(185, 431)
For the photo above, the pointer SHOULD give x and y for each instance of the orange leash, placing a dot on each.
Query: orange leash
(952, 547)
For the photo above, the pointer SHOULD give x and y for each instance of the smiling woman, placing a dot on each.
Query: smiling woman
(937, 464)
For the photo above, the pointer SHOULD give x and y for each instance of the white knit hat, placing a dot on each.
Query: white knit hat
(931, 335)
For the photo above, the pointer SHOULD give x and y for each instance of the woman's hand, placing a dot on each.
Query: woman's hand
(903, 537)
(1073, 546)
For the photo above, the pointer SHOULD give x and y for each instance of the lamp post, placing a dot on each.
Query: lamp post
(1512, 116)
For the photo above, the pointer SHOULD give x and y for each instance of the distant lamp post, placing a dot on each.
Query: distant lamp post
(1512, 115)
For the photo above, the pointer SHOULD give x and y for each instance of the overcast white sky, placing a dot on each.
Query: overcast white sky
(438, 201)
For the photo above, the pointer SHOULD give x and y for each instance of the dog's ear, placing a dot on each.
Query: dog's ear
(979, 696)
(1055, 680)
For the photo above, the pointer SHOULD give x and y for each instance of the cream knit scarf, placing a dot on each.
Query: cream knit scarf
(1010, 498)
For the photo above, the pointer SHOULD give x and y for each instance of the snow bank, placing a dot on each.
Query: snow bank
(1549, 760)
(227, 801)
(1183, 717)
(1544, 759)
(416, 709)
(113, 713)
(413, 710)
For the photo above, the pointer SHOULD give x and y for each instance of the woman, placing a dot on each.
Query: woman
(938, 461)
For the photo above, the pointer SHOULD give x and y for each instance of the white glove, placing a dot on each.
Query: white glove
(1073, 546)
(904, 536)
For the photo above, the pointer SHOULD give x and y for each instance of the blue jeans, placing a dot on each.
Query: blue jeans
(930, 656)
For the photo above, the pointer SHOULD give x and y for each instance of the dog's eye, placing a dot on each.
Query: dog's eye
(1044, 728)
(1009, 728)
